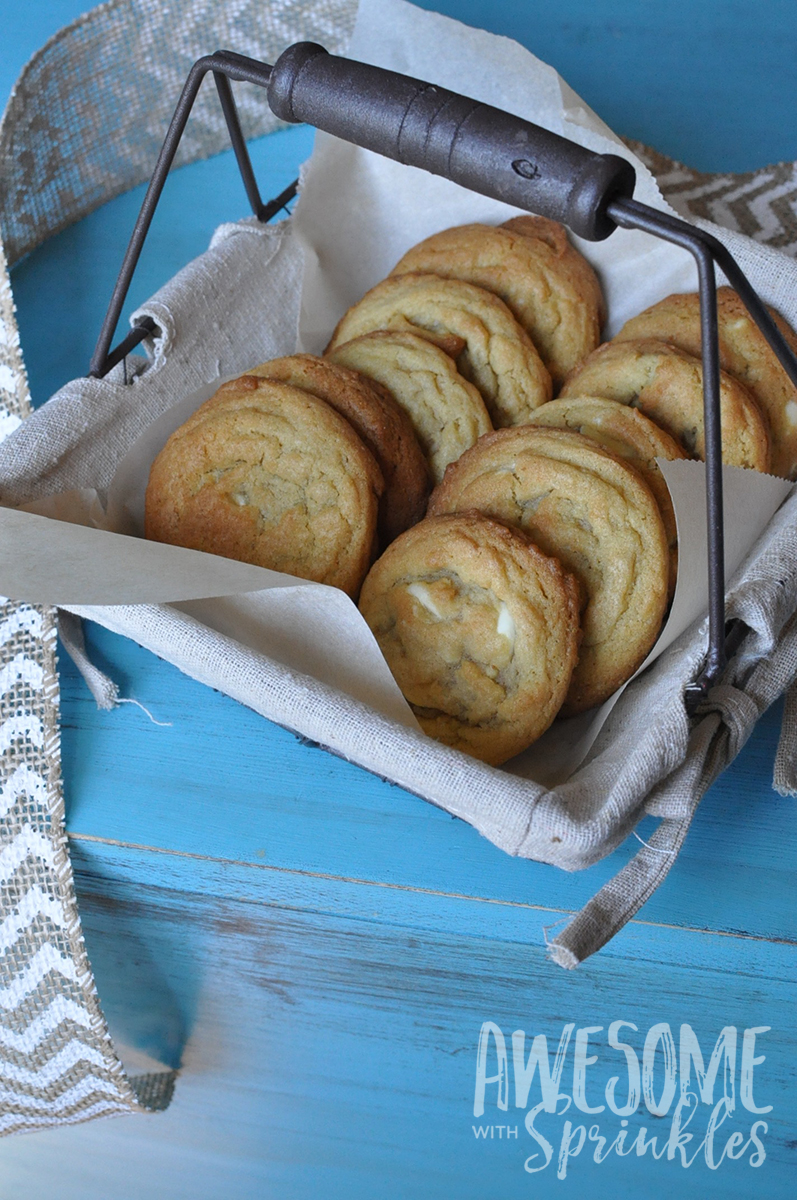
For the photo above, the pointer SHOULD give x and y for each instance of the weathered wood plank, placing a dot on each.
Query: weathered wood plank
(437, 912)
(337, 1055)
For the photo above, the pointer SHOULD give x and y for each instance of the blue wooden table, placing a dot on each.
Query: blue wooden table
(319, 950)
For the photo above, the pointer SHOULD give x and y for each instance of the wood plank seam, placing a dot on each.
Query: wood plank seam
(401, 887)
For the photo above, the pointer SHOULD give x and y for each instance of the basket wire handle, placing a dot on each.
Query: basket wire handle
(496, 154)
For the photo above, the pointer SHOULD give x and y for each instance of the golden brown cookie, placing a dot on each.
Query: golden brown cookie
(594, 513)
(744, 354)
(480, 630)
(279, 480)
(499, 357)
(630, 435)
(447, 412)
(666, 384)
(381, 423)
(529, 263)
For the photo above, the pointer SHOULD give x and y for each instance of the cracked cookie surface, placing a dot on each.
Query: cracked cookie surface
(744, 354)
(593, 512)
(447, 412)
(381, 423)
(530, 264)
(480, 630)
(666, 384)
(490, 347)
(273, 476)
(633, 437)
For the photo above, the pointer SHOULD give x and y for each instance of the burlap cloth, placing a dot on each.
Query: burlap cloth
(83, 124)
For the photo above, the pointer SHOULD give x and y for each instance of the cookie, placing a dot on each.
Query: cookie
(744, 353)
(280, 480)
(447, 412)
(480, 630)
(630, 435)
(666, 384)
(499, 357)
(529, 263)
(593, 512)
(379, 421)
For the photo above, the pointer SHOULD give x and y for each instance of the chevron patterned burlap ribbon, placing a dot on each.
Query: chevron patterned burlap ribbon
(761, 204)
(57, 1061)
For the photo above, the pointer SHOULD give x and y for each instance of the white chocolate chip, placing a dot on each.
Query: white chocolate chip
(422, 594)
(791, 412)
(506, 625)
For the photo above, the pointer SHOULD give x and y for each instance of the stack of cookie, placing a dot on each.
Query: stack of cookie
(514, 310)
(538, 580)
